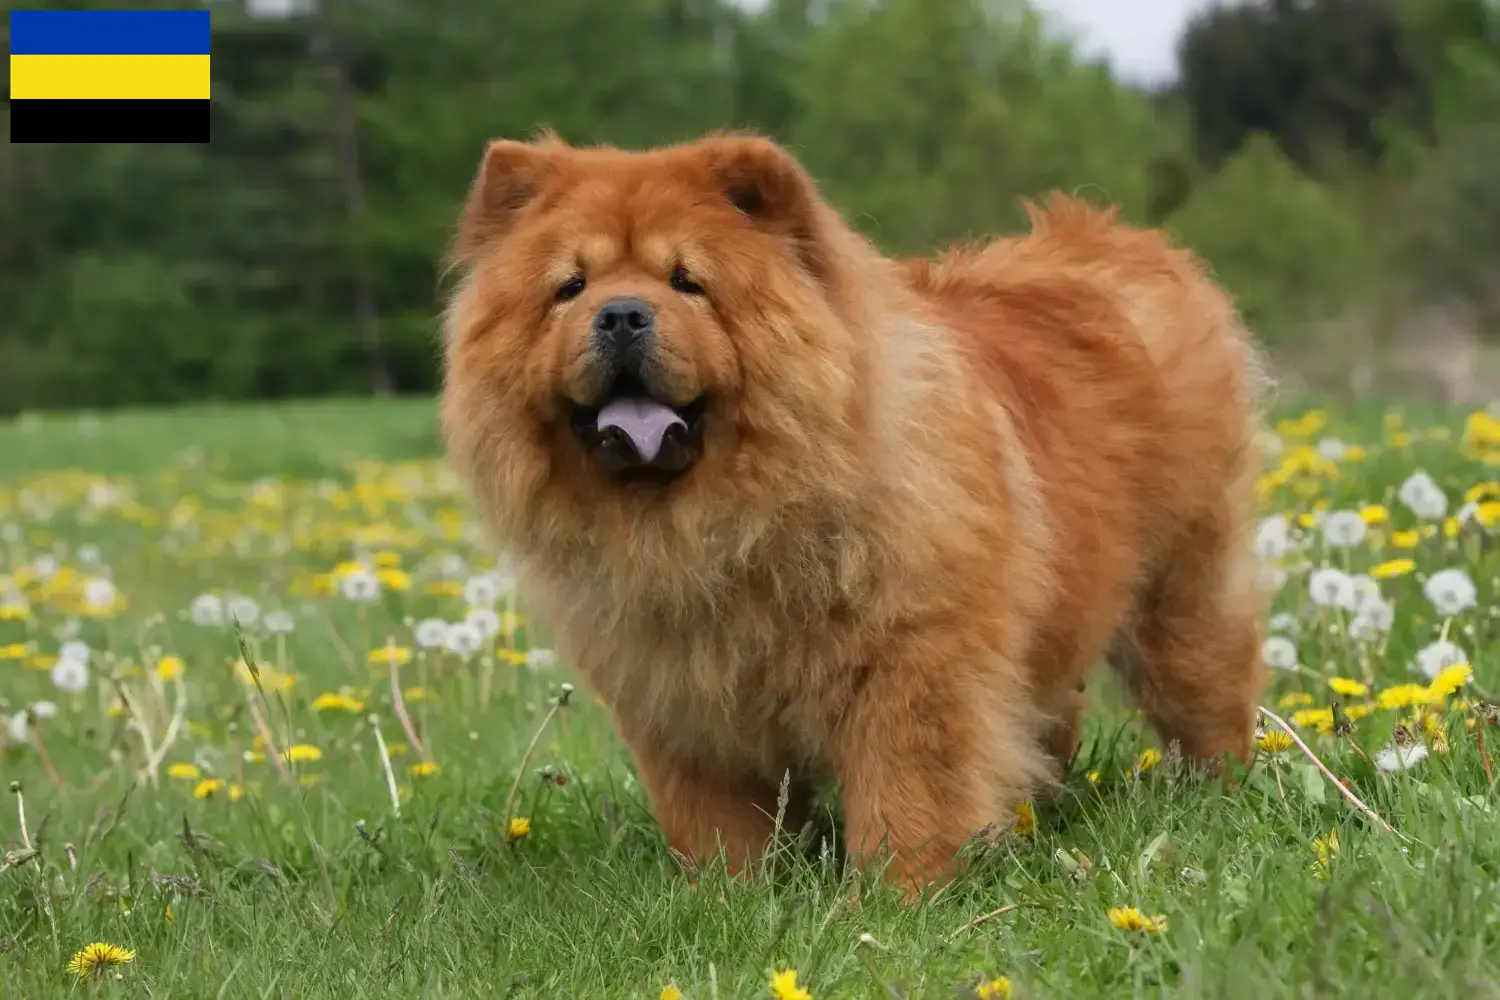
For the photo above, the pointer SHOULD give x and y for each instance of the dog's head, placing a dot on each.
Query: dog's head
(651, 338)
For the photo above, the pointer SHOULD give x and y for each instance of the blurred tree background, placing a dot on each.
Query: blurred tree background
(1337, 161)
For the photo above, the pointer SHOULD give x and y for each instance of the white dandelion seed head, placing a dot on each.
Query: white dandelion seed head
(1450, 591)
(103, 494)
(70, 675)
(451, 564)
(1372, 620)
(1332, 588)
(1279, 653)
(1343, 529)
(1467, 513)
(207, 610)
(99, 593)
(481, 591)
(242, 609)
(1273, 539)
(541, 659)
(279, 622)
(10, 532)
(44, 709)
(1423, 496)
(360, 586)
(431, 633)
(89, 555)
(464, 640)
(74, 650)
(1367, 588)
(484, 620)
(16, 727)
(1286, 623)
(1398, 758)
(1332, 449)
(1436, 657)
(45, 566)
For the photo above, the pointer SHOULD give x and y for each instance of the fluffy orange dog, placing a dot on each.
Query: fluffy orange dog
(794, 506)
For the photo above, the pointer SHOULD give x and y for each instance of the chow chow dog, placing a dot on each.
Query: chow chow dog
(800, 510)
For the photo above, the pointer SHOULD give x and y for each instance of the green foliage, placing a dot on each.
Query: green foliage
(1282, 245)
(298, 254)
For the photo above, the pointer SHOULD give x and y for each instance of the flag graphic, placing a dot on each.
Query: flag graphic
(109, 75)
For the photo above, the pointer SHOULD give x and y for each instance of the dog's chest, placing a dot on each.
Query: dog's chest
(758, 699)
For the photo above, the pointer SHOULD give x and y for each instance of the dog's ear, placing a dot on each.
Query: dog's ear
(512, 175)
(770, 188)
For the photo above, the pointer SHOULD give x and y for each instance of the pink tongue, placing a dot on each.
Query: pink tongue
(644, 421)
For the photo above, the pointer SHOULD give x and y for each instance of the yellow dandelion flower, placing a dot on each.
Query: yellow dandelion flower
(1392, 568)
(1449, 680)
(1482, 491)
(1025, 822)
(1374, 513)
(1404, 696)
(14, 611)
(1148, 759)
(332, 701)
(1355, 453)
(97, 957)
(510, 624)
(387, 559)
(1275, 742)
(515, 657)
(1320, 719)
(520, 826)
(1406, 539)
(236, 792)
(1295, 699)
(445, 588)
(184, 770)
(15, 651)
(1093, 777)
(995, 989)
(1400, 439)
(301, 753)
(1347, 687)
(207, 787)
(308, 780)
(1326, 849)
(1128, 918)
(424, 768)
(396, 749)
(169, 668)
(670, 992)
(394, 579)
(784, 986)
(386, 655)
(417, 693)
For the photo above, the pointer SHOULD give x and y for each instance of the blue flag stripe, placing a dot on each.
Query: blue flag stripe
(109, 32)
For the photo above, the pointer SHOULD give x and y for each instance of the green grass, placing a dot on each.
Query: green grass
(319, 889)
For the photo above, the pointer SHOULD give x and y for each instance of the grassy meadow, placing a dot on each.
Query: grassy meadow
(381, 785)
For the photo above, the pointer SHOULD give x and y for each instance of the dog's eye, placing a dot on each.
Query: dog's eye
(682, 283)
(569, 289)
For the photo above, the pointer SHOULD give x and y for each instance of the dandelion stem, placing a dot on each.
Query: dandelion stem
(558, 704)
(1337, 784)
(15, 787)
(985, 918)
(41, 752)
(398, 703)
(385, 763)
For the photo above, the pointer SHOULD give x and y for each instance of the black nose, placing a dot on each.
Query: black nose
(622, 323)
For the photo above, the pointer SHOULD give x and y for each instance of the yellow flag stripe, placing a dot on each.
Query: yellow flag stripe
(43, 78)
